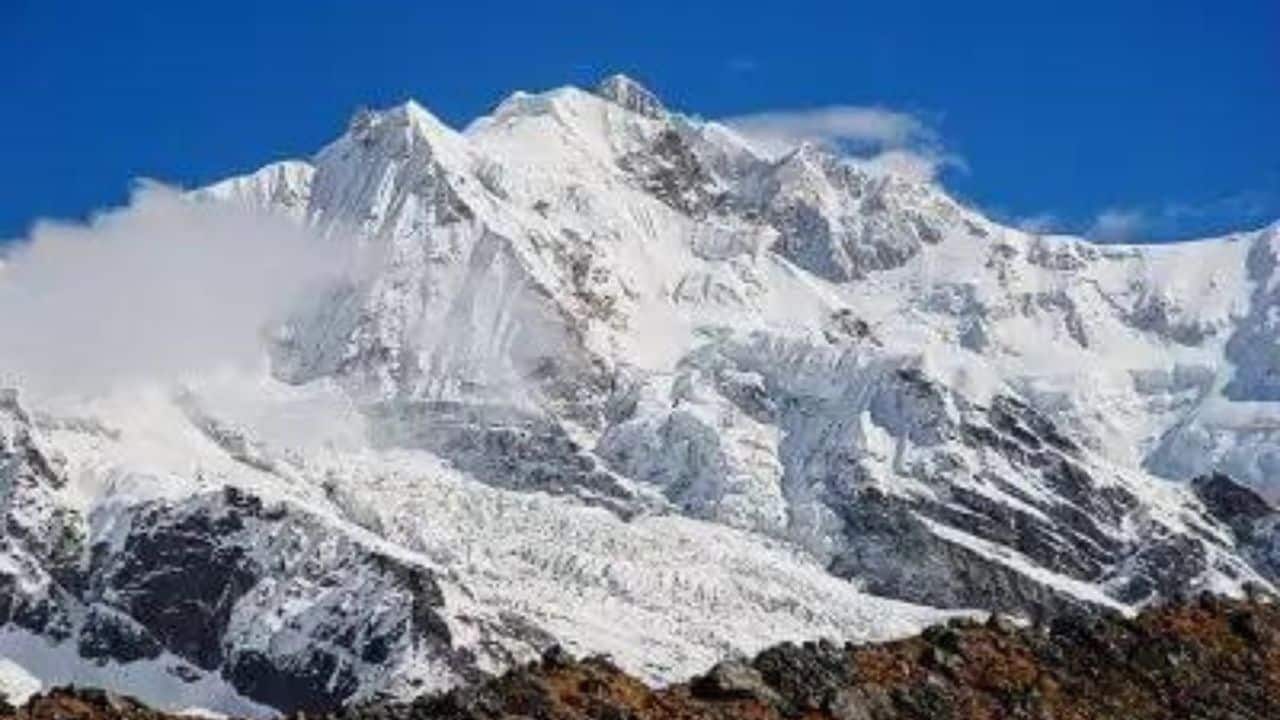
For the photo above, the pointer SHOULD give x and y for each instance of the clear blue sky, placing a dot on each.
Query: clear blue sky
(1168, 110)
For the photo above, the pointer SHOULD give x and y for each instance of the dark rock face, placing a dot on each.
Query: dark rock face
(1074, 529)
(670, 171)
(42, 541)
(806, 239)
(895, 554)
(315, 682)
(1232, 503)
(110, 635)
(182, 577)
(505, 447)
(187, 575)
(40, 614)
(1255, 524)
(1018, 419)
(185, 578)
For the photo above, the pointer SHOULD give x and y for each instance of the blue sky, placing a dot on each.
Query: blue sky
(1129, 120)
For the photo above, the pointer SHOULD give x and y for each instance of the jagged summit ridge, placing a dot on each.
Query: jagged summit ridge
(631, 95)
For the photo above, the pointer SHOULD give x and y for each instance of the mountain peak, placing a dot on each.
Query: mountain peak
(410, 113)
(631, 95)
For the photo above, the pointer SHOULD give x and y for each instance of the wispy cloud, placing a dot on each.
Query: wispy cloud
(1173, 220)
(864, 126)
(1119, 225)
(885, 139)
(164, 287)
(921, 163)
(1039, 223)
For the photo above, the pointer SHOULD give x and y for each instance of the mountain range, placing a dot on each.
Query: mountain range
(615, 378)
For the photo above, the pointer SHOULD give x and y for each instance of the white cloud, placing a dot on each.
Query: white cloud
(1119, 225)
(1040, 223)
(883, 139)
(922, 165)
(161, 288)
(1178, 220)
(837, 123)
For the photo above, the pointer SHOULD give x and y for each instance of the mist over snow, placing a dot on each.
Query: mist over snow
(878, 139)
(164, 287)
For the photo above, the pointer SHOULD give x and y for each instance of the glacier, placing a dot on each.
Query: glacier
(617, 379)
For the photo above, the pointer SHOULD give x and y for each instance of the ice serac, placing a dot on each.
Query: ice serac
(607, 377)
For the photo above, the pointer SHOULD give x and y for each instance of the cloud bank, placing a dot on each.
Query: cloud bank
(883, 139)
(162, 288)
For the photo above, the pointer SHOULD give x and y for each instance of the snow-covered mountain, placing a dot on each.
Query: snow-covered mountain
(618, 380)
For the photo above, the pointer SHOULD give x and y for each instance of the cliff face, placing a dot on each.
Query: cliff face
(1212, 658)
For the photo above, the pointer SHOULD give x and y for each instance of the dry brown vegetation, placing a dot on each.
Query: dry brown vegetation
(1212, 658)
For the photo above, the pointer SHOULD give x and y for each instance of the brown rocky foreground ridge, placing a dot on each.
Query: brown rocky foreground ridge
(1208, 658)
